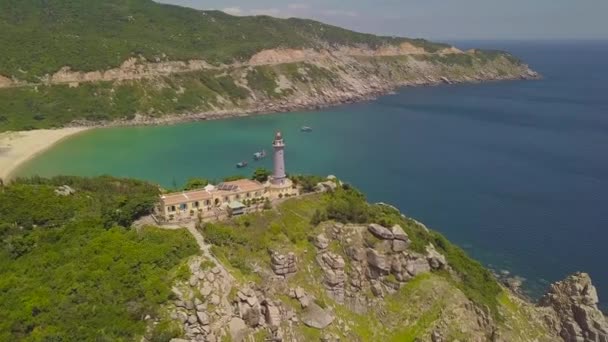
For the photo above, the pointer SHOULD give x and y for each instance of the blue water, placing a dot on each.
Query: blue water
(514, 172)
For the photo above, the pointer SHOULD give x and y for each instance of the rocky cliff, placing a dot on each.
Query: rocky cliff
(139, 92)
(393, 280)
(577, 317)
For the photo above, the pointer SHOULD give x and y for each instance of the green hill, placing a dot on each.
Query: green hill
(41, 36)
(73, 269)
(66, 62)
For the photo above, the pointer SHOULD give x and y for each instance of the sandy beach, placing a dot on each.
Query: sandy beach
(18, 147)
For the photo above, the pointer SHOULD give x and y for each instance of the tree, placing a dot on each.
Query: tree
(261, 175)
(196, 183)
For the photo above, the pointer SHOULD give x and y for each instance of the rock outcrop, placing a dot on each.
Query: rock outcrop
(316, 317)
(574, 301)
(283, 265)
(335, 278)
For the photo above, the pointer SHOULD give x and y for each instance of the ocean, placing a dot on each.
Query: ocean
(516, 172)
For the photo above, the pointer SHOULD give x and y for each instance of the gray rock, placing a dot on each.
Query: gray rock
(272, 316)
(182, 317)
(305, 301)
(193, 280)
(334, 261)
(356, 253)
(574, 300)
(380, 232)
(192, 319)
(203, 318)
(238, 329)
(299, 292)
(206, 290)
(377, 260)
(214, 300)
(316, 317)
(417, 266)
(399, 246)
(252, 300)
(377, 289)
(436, 260)
(399, 234)
(321, 241)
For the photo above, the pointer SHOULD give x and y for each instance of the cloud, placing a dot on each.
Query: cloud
(298, 6)
(274, 12)
(339, 13)
(233, 10)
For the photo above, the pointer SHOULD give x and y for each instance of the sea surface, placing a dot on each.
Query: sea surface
(514, 172)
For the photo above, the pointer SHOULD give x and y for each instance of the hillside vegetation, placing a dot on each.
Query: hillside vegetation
(73, 267)
(78, 62)
(41, 36)
(70, 267)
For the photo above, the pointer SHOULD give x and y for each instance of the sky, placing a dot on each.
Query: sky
(438, 19)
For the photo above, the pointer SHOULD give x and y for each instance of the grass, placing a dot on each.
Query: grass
(40, 37)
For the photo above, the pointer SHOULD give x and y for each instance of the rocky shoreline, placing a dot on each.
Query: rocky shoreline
(286, 105)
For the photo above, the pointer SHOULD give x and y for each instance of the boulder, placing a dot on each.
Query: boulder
(283, 264)
(305, 301)
(399, 234)
(436, 260)
(399, 246)
(299, 292)
(575, 300)
(356, 253)
(380, 231)
(321, 241)
(215, 299)
(377, 289)
(193, 280)
(203, 318)
(238, 329)
(377, 260)
(417, 266)
(334, 261)
(272, 315)
(206, 290)
(316, 317)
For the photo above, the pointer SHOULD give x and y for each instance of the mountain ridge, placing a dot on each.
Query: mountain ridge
(76, 63)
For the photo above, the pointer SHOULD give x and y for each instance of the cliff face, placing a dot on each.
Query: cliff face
(139, 92)
(577, 317)
(291, 280)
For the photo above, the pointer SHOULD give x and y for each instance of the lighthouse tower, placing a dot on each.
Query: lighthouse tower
(279, 176)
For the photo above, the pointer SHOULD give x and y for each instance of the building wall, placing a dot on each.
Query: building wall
(203, 208)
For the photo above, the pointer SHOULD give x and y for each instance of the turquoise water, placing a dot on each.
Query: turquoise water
(515, 172)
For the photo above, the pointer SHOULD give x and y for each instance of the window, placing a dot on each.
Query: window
(183, 206)
(238, 197)
(249, 195)
(207, 202)
(171, 209)
(226, 199)
(197, 204)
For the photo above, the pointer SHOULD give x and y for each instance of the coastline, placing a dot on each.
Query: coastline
(17, 148)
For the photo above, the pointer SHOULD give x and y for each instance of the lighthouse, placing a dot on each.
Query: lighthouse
(279, 176)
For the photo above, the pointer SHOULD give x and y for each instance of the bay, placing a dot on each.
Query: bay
(515, 172)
